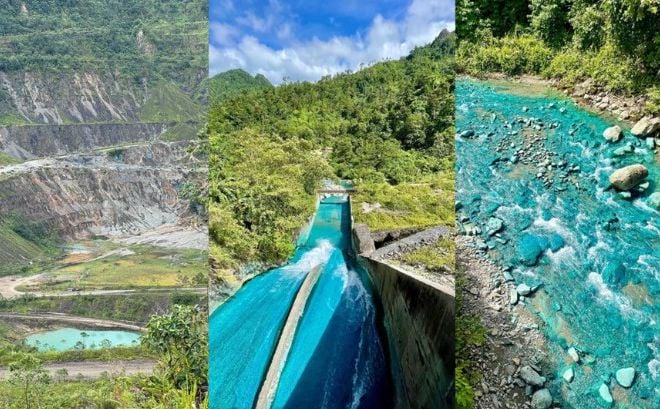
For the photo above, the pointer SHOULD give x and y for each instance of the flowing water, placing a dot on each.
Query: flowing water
(595, 254)
(71, 338)
(336, 360)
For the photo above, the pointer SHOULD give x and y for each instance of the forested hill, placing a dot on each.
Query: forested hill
(78, 61)
(234, 82)
(615, 44)
(388, 127)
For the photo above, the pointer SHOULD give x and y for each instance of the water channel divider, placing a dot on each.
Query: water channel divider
(272, 379)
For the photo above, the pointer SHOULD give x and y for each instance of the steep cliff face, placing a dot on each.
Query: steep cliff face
(30, 141)
(84, 196)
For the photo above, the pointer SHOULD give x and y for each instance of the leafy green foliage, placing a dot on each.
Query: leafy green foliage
(614, 43)
(180, 339)
(389, 128)
(28, 374)
(232, 83)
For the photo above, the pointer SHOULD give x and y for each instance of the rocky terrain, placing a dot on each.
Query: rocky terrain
(511, 360)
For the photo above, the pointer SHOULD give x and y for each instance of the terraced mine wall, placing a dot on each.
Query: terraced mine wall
(30, 141)
(79, 201)
(420, 323)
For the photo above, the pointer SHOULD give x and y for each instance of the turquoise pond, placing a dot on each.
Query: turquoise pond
(594, 254)
(65, 339)
(336, 360)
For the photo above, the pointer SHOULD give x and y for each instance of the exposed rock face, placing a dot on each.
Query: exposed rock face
(612, 134)
(628, 177)
(27, 142)
(78, 200)
(646, 126)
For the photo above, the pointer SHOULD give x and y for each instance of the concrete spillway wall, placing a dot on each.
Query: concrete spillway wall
(419, 319)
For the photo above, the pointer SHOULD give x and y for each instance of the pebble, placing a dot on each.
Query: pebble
(542, 399)
(568, 375)
(523, 289)
(605, 394)
(531, 377)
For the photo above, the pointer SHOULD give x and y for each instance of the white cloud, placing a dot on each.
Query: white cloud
(312, 59)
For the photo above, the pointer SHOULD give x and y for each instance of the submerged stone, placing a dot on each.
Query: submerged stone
(614, 272)
(625, 377)
(573, 353)
(541, 399)
(556, 242)
(530, 249)
(654, 200)
(493, 225)
(568, 375)
(622, 151)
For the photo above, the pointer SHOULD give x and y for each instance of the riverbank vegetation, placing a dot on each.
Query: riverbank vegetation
(613, 44)
(388, 128)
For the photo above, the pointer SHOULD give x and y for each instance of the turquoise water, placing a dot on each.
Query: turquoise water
(336, 359)
(595, 255)
(71, 338)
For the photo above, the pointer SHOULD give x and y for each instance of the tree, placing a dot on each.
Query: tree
(27, 372)
(180, 338)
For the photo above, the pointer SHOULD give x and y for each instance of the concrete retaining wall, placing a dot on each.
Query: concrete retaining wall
(419, 318)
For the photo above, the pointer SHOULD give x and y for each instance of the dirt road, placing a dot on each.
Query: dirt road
(74, 320)
(94, 369)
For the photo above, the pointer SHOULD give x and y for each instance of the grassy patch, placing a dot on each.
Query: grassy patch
(168, 103)
(146, 267)
(428, 202)
(25, 246)
(437, 257)
(10, 119)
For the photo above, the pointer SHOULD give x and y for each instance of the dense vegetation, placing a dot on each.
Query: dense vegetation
(389, 128)
(234, 82)
(143, 38)
(613, 43)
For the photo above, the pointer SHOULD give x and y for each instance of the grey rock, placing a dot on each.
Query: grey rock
(650, 142)
(625, 377)
(628, 177)
(523, 289)
(646, 126)
(604, 393)
(531, 377)
(541, 399)
(513, 297)
(568, 375)
(613, 133)
(573, 353)
(493, 225)
(654, 200)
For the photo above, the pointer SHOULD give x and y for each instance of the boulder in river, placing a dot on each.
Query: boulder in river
(654, 200)
(529, 249)
(605, 395)
(613, 133)
(625, 377)
(541, 399)
(628, 177)
(614, 272)
(568, 375)
(523, 289)
(646, 126)
(573, 353)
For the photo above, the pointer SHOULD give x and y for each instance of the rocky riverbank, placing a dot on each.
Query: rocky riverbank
(512, 359)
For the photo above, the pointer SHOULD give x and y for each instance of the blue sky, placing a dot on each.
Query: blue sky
(306, 40)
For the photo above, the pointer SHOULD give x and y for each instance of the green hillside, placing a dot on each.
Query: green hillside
(389, 128)
(234, 82)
